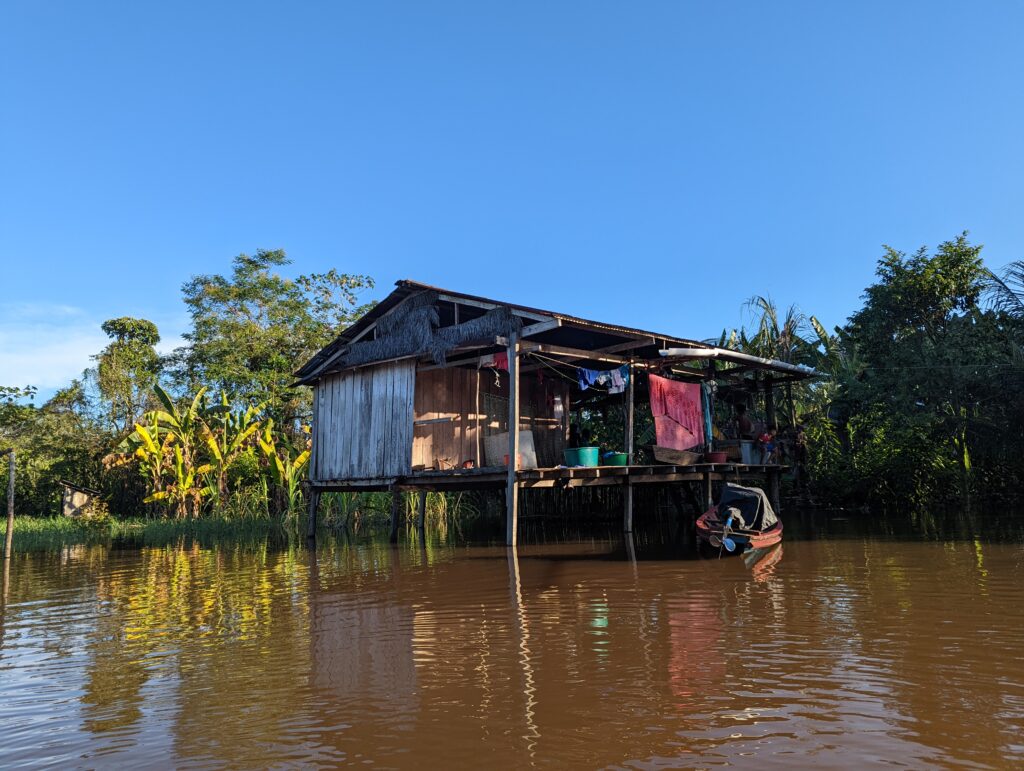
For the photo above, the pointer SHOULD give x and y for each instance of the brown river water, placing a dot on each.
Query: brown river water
(837, 652)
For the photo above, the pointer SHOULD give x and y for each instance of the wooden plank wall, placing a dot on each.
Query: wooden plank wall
(362, 427)
(449, 397)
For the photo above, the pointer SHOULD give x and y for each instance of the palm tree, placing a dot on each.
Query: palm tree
(1006, 292)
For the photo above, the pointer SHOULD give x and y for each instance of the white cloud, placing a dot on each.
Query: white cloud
(45, 345)
(48, 345)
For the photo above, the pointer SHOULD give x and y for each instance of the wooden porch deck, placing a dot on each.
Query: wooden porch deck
(496, 477)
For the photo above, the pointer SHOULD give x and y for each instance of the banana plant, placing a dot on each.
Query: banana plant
(152, 450)
(185, 492)
(287, 465)
(149, 449)
(233, 437)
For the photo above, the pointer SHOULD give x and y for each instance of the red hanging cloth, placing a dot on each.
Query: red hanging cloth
(678, 414)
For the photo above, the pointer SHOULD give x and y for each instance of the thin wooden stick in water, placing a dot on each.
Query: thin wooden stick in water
(9, 535)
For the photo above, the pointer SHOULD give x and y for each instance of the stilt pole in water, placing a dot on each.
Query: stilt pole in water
(421, 514)
(512, 485)
(774, 489)
(314, 505)
(627, 514)
(9, 535)
(396, 508)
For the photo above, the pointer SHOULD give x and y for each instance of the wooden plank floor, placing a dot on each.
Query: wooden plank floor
(597, 476)
(495, 477)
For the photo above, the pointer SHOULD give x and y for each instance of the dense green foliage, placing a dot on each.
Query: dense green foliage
(251, 330)
(920, 399)
(140, 428)
(923, 401)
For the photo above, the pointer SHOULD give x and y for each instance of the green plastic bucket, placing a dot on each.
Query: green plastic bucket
(616, 459)
(588, 456)
(572, 457)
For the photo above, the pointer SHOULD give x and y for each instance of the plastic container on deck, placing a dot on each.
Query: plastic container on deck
(572, 456)
(748, 452)
(615, 459)
(588, 456)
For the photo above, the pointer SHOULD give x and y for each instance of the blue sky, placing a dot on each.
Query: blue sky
(653, 164)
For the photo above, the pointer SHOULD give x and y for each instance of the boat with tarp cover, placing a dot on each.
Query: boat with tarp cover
(743, 519)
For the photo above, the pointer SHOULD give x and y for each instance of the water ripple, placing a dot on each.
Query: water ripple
(844, 653)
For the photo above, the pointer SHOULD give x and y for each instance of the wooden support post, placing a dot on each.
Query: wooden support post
(512, 485)
(421, 514)
(774, 477)
(769, 403)
(396, 511)
(710, 377)
(314, 505)
(9, 535)
(630, 409)
(479, 428)
(627, 515)
(706, 489)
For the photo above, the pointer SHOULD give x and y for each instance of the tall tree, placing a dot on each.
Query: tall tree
(930, 391)
(252, 329)
(127, 369)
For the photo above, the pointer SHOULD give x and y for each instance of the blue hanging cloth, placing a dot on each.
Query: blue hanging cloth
(615, 380)
(587, 377)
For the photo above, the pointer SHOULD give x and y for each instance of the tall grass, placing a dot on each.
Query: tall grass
(245, 519)
(48, 534)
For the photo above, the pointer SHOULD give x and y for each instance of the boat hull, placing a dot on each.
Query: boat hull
(710, 532)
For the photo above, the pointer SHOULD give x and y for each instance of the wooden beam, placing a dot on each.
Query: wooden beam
(491, 306)
(629, 346)
(512, 485)
(573, 353)
(543, 326)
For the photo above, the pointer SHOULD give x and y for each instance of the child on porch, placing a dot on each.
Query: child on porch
(769, 447)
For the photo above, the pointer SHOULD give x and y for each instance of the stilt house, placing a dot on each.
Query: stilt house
(420, 394)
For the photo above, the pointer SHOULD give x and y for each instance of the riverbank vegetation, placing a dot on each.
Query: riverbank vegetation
(921, 398)
(353, 514)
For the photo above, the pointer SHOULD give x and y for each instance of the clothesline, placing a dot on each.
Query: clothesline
(594, 384)
(547, 362)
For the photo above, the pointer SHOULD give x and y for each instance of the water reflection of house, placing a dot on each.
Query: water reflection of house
(362, 652)
(696, 657)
